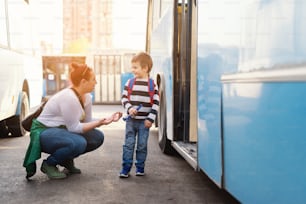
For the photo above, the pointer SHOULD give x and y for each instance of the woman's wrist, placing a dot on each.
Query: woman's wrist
(99, 123)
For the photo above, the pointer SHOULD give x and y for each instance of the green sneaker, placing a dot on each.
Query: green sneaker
(70, 168)
(52, 171)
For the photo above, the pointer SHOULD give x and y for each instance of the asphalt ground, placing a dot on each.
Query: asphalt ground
(168, 179)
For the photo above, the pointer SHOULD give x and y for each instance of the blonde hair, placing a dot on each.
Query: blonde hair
(144, 59)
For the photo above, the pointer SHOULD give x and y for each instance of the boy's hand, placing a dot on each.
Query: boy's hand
(147, 123)
(133, 112)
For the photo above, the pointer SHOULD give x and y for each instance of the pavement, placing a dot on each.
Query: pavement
(168, 179)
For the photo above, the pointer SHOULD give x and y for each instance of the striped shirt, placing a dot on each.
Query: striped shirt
(140, 95)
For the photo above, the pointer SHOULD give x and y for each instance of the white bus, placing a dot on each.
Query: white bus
(20, 65)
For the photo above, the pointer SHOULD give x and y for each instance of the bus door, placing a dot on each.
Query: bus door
(184, 80)
(181, 90)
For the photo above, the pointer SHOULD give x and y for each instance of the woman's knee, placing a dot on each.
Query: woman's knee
(79, 145)
(95, 139)
(96, 136)
(75, 145)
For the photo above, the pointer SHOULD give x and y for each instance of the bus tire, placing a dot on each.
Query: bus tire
(3, 129)
(163, 141)
(14, 123)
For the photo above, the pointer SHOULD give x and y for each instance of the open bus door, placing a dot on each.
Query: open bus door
(183, 121)
(184, 80)
(197, 131)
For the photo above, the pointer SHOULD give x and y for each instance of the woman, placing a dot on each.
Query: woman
(65, 129)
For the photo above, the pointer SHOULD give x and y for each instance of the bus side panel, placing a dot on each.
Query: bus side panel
(212, 62)
(264, 141)
(209, 132)
(218, 42)
(162, 47)
(11, 79)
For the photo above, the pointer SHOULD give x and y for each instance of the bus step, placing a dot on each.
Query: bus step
(188, 151)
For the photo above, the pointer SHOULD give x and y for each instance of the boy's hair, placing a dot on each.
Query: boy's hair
(144, 59)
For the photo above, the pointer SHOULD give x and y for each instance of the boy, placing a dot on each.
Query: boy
(141, 100)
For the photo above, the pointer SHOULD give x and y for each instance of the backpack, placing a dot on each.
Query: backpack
(150, 88)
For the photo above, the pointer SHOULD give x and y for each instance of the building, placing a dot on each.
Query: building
(87, 25)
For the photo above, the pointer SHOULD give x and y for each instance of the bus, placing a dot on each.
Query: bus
(20, 66)
(232, 84)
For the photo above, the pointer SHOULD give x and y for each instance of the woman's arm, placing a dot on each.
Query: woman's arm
(72, 111)
(104, 121)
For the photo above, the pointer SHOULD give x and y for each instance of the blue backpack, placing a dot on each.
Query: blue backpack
(150, 88)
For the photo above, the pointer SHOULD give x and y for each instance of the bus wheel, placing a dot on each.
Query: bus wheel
(14, 123)
(164, 142)
(3, 129)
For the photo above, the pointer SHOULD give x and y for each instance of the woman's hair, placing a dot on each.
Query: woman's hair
(144, 59)
(79, 72)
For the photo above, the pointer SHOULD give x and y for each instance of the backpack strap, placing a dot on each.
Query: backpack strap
(151, 89)
(130, 87)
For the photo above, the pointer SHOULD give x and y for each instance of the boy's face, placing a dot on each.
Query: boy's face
(138, 71)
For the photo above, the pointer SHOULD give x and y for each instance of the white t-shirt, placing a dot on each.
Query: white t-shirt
(64, 108)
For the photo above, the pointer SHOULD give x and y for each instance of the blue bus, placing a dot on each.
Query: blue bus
(232, 84)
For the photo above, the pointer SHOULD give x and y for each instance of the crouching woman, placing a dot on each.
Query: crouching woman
(65, 128)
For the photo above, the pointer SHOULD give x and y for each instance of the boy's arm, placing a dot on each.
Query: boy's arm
(124, 98)
(155, 106)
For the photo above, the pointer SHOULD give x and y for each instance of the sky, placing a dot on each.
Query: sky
(129, 22)
(49, 22)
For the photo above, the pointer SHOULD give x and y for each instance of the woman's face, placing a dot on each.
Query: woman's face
(89, 85)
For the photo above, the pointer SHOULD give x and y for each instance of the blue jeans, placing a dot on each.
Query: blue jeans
(133, 128)
(63, 145)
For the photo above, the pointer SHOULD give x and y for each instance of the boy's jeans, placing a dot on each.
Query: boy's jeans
(63, 145)
(133, 128)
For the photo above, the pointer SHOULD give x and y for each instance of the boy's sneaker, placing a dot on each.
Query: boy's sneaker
(140, 172)
(124, 173)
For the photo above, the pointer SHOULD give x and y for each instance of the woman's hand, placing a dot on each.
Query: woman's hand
(116, 116)
(105, 121)
(113, 118)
